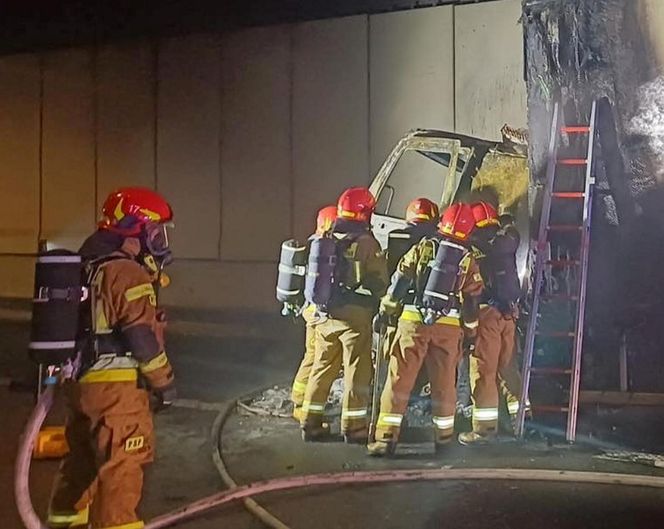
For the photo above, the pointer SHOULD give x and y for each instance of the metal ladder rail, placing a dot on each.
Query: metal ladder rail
(584, 256)
(539, 269)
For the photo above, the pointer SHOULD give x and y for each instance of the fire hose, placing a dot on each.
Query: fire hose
(31, 519)
(24, 457)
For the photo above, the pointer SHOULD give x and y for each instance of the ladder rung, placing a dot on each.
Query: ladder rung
(572, 161)
(565, 227)
(576, 129)
(550, 371)
(568, 194)
(556, 334)
(563, 262)
(549, 409)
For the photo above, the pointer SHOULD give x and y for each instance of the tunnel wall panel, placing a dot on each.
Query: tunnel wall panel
(490, 90)
(68, 147)
(17, 276)
(188, 134)
(330, 111)
(126, 119)
(255, 143)
(222, 284)
(411, 76)
(19, 153)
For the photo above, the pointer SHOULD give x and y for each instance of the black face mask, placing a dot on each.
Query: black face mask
(482, 237)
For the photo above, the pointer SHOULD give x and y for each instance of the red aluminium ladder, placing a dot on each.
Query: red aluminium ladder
(553, 199)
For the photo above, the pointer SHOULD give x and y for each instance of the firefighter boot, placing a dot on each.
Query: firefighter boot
(356, 437)
(475, 439)
(381, 448)
(441, 446)
(66, 520)
(316, 434)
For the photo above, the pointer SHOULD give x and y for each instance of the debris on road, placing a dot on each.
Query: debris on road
(625, 456)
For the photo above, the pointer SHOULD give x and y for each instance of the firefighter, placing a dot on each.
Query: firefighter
(343, 337)
(324, 221)
(123, 365)
(421, 338)
(421, 218)
(492, 367)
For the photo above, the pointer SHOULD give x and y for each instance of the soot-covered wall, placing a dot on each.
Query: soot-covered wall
(611, 50)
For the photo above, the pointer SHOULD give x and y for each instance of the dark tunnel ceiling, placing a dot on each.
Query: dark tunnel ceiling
(59, 23)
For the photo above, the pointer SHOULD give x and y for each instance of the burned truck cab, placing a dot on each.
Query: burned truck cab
(447, 167)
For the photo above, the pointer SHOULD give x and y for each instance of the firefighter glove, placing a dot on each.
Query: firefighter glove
(163, 398)
(389, 306)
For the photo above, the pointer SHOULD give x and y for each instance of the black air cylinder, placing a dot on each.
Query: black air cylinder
(439, 295)
(55, 307)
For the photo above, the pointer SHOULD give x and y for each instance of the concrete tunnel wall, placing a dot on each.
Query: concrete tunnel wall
(247, 133)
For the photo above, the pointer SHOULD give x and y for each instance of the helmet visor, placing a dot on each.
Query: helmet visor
(156, 238)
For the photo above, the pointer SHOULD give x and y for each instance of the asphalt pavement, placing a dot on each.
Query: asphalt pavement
(217, 363)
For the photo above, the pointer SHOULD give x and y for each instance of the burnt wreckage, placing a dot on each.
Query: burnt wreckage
(578, 52)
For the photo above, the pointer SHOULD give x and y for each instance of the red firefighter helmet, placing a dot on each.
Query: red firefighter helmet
(421, 210)
(129, 209)
(457, 222)
(325, 219)
(485, 214)
(356, 203)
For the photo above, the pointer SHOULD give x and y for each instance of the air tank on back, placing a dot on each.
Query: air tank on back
(58, 293)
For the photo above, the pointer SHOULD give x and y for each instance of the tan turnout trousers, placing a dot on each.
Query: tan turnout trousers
(492, 367)
(438, 346)
(111, 438)
(304, 370)
(343, 341)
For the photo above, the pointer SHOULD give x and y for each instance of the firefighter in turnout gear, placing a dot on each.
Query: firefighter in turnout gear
(421, 218)
(492, 367)
(109, 425)
(442, 273)
(324, 222)
(343, 336)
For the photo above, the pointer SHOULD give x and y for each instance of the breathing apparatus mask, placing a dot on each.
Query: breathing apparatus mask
(155, 249)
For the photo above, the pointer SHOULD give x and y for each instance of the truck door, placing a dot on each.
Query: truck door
(417, 167)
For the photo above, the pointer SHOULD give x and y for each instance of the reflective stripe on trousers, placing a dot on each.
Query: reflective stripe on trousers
(390, 419)
(131, 525)
(77, 519)
(313, 407)
(443, 423)
(485, 414)
(410, 313)
(111, 368)
(355, 413)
